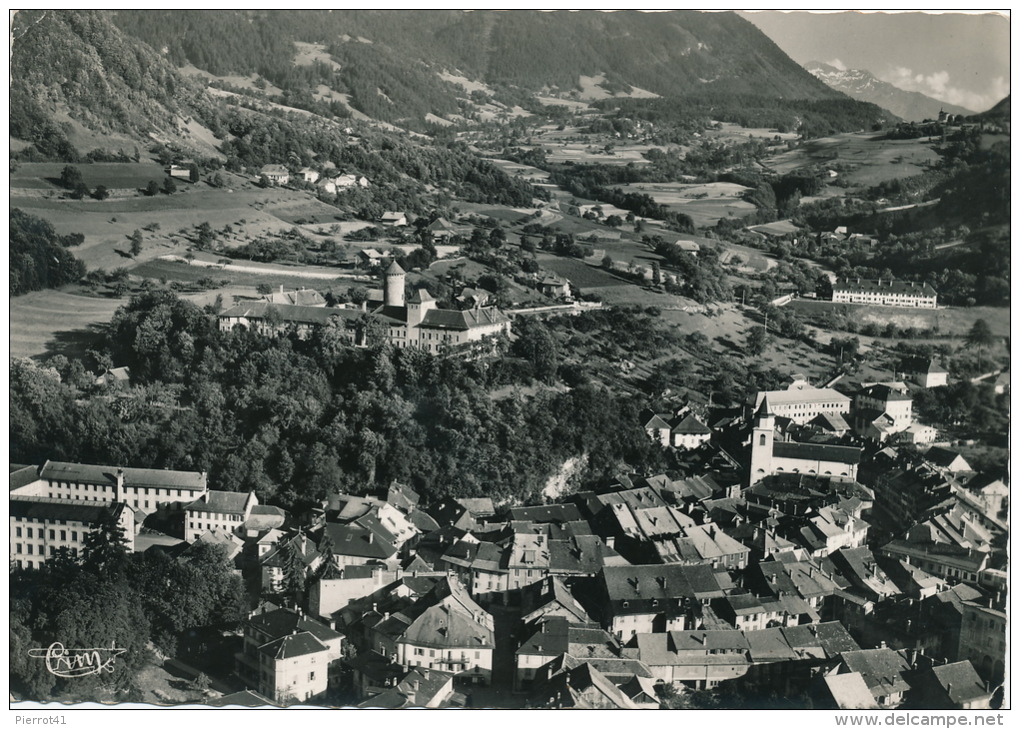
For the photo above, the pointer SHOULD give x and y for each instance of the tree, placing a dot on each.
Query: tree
(206, 236)
(757, 341)
(100, 193)
(70, 177)
(104, 549)
(169, 186)
(202, 683)
(193, 172)
(152, 189)
(136, 242)
(656, 274)
(263, 289)
(980, 335)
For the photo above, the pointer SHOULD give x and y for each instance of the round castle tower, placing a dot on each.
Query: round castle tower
(394, 285)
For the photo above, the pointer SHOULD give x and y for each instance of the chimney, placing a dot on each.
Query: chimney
(281, 288)
(371, 537)
(611, 542)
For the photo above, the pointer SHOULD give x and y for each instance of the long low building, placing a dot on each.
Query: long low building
(885, 292)
(144, 489)
(40, 526)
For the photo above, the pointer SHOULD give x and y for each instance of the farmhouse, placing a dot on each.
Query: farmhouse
(393, 219)
(925, 372)
(276, 174)
(886, 292)
(307, 174)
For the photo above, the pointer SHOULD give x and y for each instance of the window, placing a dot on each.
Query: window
(311, 676)
(17, 531)
(53, 534)
(29, 532)
(18, 548)
(63, 535)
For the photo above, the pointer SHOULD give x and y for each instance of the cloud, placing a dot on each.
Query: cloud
(837, 64)
(940, 85)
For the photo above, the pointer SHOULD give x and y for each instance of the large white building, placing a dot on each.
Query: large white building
(40, 527)
(885, 292)
(144, 489)
(800, 402)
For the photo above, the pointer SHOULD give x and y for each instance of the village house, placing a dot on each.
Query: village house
(699, 659)
(307, 174)
(276, 174)
(637, 599)
(926, 372)
(444, 629)
(393, 219)
(884, 672)
(40, 527)
(556, 636)
(951, 686)
(886, 292)
(890, 403)
(143, 489)
(287, 656)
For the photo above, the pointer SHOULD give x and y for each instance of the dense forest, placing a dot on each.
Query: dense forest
(295, 419)
(39, 257)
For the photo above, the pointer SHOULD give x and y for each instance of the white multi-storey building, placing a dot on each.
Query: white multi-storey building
(885, 292)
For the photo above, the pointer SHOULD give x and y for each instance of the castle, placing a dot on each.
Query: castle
(414, 322)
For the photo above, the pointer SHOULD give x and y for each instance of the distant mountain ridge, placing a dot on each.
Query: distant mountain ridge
(865, 86)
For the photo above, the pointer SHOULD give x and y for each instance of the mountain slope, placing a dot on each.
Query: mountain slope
(78, 64)
(671, 53)
(865, 86)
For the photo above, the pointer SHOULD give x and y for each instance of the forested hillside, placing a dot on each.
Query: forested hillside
(79, 63)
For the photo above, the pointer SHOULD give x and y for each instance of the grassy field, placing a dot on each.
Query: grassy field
(705, 204)
(42, 175)
(54, 322)
(581, 275)
(874, 159)
(954, 320)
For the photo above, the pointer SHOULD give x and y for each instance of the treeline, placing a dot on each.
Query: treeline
(809, 117)
(295, 419)
(39, 258)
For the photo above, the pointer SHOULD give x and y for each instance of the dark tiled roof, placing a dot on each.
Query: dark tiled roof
(545, 514)
(884, 393)
(25, 507)
(23, 475)
(816, 452)
(220, 502)
(884, 286)
(107, 475)
(283, 622)
(292, 646)
(360, 540)
(288, 312)
(690, 425)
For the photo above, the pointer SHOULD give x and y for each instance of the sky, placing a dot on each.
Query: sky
(955, 57)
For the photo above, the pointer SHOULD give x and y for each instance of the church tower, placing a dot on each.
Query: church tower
(393, 294)
(762, 437)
